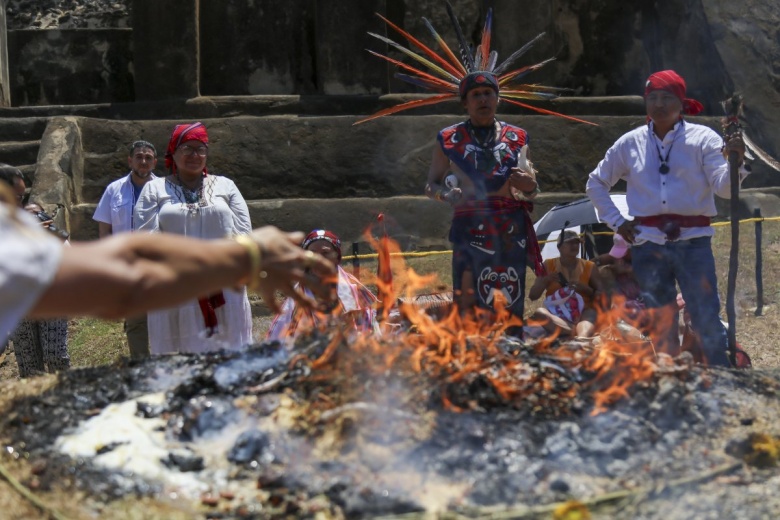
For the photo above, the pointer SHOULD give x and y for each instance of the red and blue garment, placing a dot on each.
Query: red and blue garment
(487, 167)
(492, 236)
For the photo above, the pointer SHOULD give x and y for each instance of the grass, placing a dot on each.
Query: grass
(98, 342)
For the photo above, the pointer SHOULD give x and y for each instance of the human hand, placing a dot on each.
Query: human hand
(284, 262)
(627, 230)
(522, 180)
(737, 145)
(453, 196)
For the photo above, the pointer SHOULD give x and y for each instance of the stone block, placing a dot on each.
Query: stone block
(268, 48)
(165, 48)
(75, 66)
(278, 157)
(343, 65)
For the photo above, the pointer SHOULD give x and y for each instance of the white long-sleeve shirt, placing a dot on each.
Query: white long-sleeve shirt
(697, 172)
(29, 260)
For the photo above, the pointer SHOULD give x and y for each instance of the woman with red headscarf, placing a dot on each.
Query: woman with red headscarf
(192, 202)
(356, 305)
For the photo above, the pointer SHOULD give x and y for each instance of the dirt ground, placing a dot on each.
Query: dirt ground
(755, 333)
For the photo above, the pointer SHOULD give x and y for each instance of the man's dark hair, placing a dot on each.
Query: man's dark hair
(142, 144)
(8, 173)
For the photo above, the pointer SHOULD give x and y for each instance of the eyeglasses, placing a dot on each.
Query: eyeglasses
(664, 97)
(188, 150)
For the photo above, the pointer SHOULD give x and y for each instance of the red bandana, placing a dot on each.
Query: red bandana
(323, 234)
(181, 134)
(672, 82)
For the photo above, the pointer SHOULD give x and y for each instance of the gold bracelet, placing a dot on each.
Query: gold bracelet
(255, 257)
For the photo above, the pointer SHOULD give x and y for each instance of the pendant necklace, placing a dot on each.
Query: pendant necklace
(664, 168)
(193, 199)
(487, 144)
(489, 135)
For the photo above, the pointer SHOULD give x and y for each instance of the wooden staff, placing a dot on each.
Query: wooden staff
(731, 129)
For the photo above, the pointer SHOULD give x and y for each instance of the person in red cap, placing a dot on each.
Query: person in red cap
(673, 169)
(355, 306)
(193, 202)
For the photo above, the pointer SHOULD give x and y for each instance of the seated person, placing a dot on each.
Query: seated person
(617, 274)
(569, 286)
(356, 305)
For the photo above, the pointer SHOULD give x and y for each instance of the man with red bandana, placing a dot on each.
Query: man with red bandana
(673, 169)
(491, 232)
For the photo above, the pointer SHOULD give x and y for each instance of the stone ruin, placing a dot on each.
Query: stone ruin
(280, 102)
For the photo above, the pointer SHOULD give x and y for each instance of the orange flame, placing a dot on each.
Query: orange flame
(465, 360)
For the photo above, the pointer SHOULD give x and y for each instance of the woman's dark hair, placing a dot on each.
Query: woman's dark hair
(8, 173)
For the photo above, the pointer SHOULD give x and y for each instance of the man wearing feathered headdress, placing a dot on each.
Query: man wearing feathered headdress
(491, 228)
(492, 180)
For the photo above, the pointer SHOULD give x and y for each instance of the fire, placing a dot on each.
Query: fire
(467, 361)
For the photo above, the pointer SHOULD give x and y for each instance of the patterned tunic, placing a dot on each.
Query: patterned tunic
(489, 233)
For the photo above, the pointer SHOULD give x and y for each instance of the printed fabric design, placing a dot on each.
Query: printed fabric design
(488, 168)
(565, 303)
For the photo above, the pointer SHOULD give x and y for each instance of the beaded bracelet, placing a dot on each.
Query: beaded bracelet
(255, 257)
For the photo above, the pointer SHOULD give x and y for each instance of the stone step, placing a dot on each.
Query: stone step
(417, 223)
(310, 105)
(22, 128)
(19, 152)
(275, 157)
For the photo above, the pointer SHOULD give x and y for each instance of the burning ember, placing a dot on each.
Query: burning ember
(436, 415)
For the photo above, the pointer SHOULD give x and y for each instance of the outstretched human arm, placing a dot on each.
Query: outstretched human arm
(130, 274)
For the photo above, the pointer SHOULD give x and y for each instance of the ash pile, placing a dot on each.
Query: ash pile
(438, 420)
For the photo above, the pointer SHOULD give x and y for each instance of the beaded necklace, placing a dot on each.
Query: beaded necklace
(193, 199)
(485, 137)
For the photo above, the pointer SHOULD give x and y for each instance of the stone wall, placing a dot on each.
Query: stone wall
(5, 82)
(187, 48)
(76, 66)
(327, 157)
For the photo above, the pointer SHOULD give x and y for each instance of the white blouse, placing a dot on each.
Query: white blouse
(222, 212)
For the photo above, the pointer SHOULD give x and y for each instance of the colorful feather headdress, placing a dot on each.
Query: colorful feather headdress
(446, 71)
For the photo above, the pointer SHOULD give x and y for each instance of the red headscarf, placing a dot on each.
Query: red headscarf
(672, 82)
(181, 134)
(323, 234)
